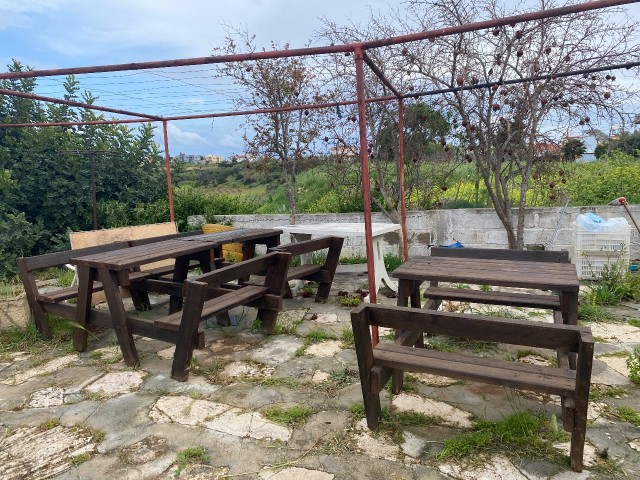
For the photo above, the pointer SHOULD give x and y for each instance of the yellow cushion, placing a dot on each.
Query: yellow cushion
(232, 251)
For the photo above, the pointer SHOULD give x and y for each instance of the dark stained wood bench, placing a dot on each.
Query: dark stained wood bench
(549, 302)
(323, 273)
(377, 364)
(42, 302)
(212, 294)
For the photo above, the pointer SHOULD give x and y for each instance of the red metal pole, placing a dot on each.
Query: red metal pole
(403, 203)
(71, 103)
(366, 186)
(167, 164)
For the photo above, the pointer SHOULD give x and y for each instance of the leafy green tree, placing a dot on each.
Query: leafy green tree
(45, 180)
(628, 142)
(572, 149)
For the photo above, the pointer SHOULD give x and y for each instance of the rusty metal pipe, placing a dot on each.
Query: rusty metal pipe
(350, 47)
(403, 203)
(71, 103)
(167, 165)
(366, 187)
(374, 68)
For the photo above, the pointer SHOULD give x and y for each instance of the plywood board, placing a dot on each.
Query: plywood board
(102, 237)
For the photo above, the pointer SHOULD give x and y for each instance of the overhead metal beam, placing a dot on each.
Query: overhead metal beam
(71, 103)
(374, 68)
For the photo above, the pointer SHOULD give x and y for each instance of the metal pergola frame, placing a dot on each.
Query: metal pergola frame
(358, 49)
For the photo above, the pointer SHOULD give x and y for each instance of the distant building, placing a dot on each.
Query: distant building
(345, 151)
(213, 159)
(183, 157)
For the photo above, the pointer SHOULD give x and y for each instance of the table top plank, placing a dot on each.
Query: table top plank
(126, 258)
(508, 273)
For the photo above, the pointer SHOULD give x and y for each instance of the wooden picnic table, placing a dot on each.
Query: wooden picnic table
(559, 277)
(116, 268)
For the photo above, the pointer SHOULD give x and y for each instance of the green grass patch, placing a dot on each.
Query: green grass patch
(49, 424)
(18, 339)
(521, 434)
(296, 415)
(453, 344)
(80, 459)
(628, 414)
(634, 322)
(191, 456)
(347, 336)
(600, 392)
(633, 364)
(353, 260)
(588, 311)
(350, 301)
(391, 262)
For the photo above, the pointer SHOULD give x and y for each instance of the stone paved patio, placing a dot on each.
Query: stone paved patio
(87, 416)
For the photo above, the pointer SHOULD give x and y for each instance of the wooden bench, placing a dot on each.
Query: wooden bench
(42, 302)
(323, 273)
(377, 364)
(549, 302)
(211, 294)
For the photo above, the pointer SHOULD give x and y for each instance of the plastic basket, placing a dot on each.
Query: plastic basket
(586, 240)
(590, 264)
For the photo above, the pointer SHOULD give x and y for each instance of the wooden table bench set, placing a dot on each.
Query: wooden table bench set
(219, 288)
(540, 270)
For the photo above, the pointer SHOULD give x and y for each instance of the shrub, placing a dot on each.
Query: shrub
(17, 237)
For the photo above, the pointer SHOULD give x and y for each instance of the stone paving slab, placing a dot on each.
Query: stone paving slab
(105, 420)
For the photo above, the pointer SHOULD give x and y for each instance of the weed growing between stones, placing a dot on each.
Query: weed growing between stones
(452, 344)
(409, 384)
(292, 416)
(633, 364)
(49, 424)
(599, 392)
(80, 459)
(314, 336)
(350, 301)
(591, 312)
(521, 434)
(347, 337)
(626, 414)
(19, 339)
(391, 424)
(190, 456)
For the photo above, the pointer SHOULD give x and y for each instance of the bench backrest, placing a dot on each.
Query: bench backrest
(275, 264)
(334, 244)
(552, 256)
(58, 259)
(566, 338)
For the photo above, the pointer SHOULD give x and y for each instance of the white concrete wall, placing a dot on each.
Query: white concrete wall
(473, 227)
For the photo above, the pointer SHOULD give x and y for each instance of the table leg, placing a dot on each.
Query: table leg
(86, 276)
(381, 274)
(180, 272)
(109, 281)
(569, 309)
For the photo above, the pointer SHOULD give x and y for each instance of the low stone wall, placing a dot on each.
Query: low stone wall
(473, 227)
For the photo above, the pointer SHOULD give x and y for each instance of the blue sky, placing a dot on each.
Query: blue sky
(48, 34)
(68, 33)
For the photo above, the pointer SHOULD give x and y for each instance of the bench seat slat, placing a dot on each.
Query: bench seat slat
(466, 367)
(551, 302)
(303, 271)
(216, 305)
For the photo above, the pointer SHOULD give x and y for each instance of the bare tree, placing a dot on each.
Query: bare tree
(283, 82)
(504, 125)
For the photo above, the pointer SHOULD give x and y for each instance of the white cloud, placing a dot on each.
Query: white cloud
(184, 138)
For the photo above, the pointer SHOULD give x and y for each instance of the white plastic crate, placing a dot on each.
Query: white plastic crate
(590, 263)
(587, 240)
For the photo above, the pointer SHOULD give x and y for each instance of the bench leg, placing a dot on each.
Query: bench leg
(39, 315)
(287, 291)
(187, 334)
(268, 319)
(86, 276)
(323, 292)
